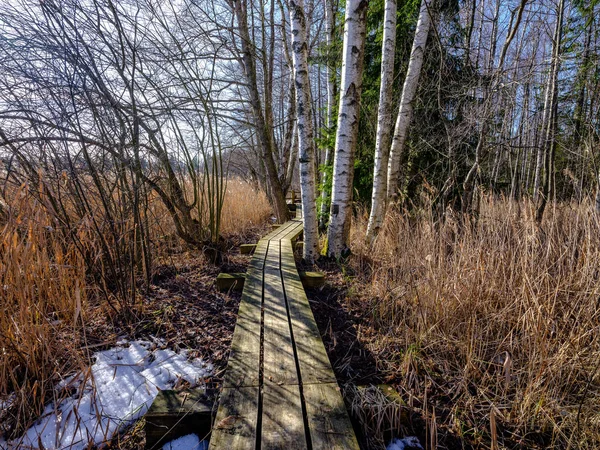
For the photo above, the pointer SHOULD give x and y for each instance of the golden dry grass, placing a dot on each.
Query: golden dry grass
(498, 322)
(244, 208)
(43, 290)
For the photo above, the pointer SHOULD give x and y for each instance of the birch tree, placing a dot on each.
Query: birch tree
(384, 122)
(549, 104)
(347, 127)
(331, 88)
(409, 90)
(306, 145)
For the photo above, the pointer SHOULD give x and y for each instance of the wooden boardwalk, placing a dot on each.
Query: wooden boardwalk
(279, 389)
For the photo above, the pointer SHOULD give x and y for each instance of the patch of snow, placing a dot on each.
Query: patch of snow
(189, 442)
(117, 390)
(407, 443)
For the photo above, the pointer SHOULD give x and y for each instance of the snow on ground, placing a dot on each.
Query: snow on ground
(189, 442)
(117, 390)
(410, 442)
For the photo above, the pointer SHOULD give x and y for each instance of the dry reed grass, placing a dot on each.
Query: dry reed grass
(43, 291)
(46, 293)
(493, 327)
(245, 208)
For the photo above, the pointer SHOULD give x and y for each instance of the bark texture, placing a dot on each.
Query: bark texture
(384, 122)
(409, 90)
(347, 127)
(306, 144)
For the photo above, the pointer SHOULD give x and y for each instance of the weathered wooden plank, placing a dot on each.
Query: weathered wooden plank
(235, 424)
(280, 231)
(243, 367)
(278, 350)
(260, 253)
(292, 232)
(282, 419)
(328, 421)
(178, 413)
(312, 356)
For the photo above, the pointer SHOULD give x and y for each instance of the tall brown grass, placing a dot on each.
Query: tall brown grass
(47, 289)
(245, 208)
(43, 293)
(493, 327)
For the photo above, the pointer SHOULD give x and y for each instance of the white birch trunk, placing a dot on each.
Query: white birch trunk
(406, 103)
(347, 127)
(384, 122)
(329, 27)
(304, 121)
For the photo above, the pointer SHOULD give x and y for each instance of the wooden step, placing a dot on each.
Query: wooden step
(174, 414)
(312, 279)
(230, 281)
(246, 249)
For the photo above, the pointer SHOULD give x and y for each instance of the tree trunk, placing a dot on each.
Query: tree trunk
(331, 74)
(347, 127)
(550, 123)
(264, 133)
(306, 144)
(539, 161)
(406, 103)
(384, 122)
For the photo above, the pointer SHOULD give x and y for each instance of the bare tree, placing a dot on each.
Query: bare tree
(262, 116)
(549, 121)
